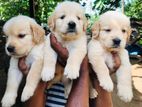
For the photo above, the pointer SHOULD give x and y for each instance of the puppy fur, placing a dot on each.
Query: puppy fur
(24, 38)
(68, 23)
(110, 34)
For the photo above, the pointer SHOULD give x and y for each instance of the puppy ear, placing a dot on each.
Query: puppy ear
(85, 24)
(96, 29)
(51, 22)
(38, 33)
(129, 33)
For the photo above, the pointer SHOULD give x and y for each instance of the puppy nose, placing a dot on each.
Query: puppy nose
(116, 41)
(10, 49)
(71, 24)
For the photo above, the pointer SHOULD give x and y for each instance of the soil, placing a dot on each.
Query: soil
(137, 87)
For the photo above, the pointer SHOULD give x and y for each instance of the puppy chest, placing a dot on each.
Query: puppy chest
(79, 44)
(69, 45)
(109, 60)
(35, 54)
(29, 60)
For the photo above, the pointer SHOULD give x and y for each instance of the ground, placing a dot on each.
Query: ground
(137, 87)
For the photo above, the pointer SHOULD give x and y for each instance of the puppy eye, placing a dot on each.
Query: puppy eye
(78, 17)
(108, 30)
(21, 35)
(62, 17)
(123, 30)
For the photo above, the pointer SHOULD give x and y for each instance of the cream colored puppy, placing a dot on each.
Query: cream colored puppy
(110, 34)
(24, 38)
(68, 23)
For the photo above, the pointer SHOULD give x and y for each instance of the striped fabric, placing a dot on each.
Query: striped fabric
(55, 96)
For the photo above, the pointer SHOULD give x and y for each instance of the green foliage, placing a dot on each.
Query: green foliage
(134, 9)
(104, 5)
(44, 9)
(10, 8)
(140, 42)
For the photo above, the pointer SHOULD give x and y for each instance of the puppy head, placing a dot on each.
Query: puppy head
(68, 20)
(113, 30)
(22, 34)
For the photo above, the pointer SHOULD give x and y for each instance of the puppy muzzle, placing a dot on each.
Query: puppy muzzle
(116, 43)
(71, 27)
(10, 49)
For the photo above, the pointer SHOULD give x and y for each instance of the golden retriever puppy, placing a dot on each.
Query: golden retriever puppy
(110, 34)
(68, 23)
(24, 38)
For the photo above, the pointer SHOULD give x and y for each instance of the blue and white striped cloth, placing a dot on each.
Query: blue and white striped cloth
(55, 96)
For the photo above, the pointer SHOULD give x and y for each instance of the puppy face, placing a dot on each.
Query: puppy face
(22, 34)
(68, 20)
(113, 30)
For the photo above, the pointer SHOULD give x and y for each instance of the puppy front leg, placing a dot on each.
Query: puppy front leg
(123, 74)
(13, 82)
(50, 58)
(95, 55)
(102, 72)
(92, 91)
(74, 62)
(68, 85)
(32, 80)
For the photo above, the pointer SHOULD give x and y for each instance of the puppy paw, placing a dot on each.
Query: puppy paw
(68, 87)
(107, 84)
(66, 94)
(47, 74)
(8, 100)
(93, 93)
(71, 72)
(125, 93)
(26, 94)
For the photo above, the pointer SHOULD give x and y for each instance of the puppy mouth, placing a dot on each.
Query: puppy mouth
(14, 54)
(116, 46)
(113, 49)
(71, 31)
(10, 53)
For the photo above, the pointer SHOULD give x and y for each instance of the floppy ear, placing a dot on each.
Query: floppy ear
(38, 33)
(95, 29)
(129, 33)
(85, 23)
(51, 22)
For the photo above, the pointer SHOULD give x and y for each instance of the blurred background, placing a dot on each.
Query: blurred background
(40, 11)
